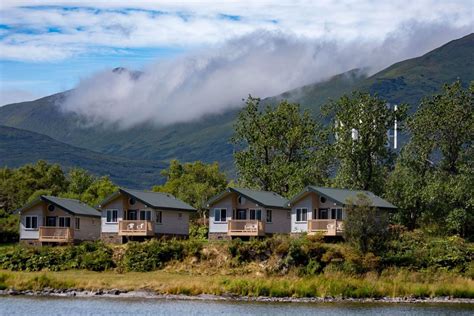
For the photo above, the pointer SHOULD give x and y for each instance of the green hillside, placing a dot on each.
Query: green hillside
(18, 147)
(208, 139)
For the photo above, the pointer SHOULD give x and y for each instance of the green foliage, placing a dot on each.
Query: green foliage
(365, 227)
(91, 256)
(195, 183)
(416, 250)
(8, 227)
(153, 254)
(433, 180)
(360, 125)
(25, 184)
(278, 149)
(198, 232)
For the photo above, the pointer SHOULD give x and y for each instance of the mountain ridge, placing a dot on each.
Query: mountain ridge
(208, 139)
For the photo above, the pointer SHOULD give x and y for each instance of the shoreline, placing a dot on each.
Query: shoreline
(144, 294)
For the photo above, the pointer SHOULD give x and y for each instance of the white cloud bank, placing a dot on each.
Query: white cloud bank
(53, 30)
(261, 63)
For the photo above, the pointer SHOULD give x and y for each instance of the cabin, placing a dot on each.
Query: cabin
(53, 220)
(245, 213)
(323, 210)
(139, 215)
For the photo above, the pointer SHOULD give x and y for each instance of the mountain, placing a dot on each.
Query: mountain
(404, 82)
(208, 139)
(18, 147)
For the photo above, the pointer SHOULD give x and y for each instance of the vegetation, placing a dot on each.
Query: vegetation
(194, 182)
(278, 149)
(365, 227)
(360, 125)
(433, 180)
(413, 265)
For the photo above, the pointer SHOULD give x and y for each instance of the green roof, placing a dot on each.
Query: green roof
(156, 199)
(342, 196)
(72, 206)
(264, 198)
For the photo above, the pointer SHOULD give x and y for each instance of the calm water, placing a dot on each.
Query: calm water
(104, 306)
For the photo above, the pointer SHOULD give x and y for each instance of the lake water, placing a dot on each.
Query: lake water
(128, 306)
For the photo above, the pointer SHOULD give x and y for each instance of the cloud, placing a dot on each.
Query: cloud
(262, 63)
(55, 30)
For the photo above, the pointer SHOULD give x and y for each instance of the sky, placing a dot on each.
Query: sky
(205, 54)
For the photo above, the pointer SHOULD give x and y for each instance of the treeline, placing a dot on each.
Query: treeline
(25, 184)
(282, 148)
(431, 179)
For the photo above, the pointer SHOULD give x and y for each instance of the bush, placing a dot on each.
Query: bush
(91, 256)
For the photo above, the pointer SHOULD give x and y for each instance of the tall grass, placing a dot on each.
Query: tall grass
(395, 283)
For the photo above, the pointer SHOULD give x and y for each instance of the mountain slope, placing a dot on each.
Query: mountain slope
(18, 147)
(208, 139)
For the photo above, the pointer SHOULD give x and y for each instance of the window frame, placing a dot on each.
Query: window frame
(31, 222)
(111, 210)
(256, 212)
(144, 211)
(159, 218)
(77, 223)
(269, 212)
(220, 211)
(63, 218)
(303, 214)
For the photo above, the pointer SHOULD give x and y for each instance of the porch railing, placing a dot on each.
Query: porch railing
(244, 227)
(56, 234)
(136, 228)
(329, 227)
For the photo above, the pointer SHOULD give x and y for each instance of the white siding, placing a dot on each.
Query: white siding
(305, 202)
(220, 227)
(26, 233)
(111, 227)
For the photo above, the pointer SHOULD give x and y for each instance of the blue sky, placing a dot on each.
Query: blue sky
(50, 47)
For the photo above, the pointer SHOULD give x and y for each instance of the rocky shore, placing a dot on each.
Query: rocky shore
(143, 294)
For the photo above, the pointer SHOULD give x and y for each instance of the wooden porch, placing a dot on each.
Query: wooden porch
(56, 234)
(329, 227)
(136, 228)
(244, 227)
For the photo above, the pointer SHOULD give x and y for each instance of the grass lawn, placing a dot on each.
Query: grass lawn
(399, 283)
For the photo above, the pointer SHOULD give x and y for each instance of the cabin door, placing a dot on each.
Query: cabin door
(51, 221)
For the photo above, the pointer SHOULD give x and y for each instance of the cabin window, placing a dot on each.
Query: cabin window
(336, 213)
(323, 213)
(145, 215)
(51, 207)
(256, 214)
(77, 224)
(220, 214)
(269, 216)
(112, 216)
(132, 201)
(301, 214)
(159, 217)
(64, 221)
(322, 199)
(31, 222)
